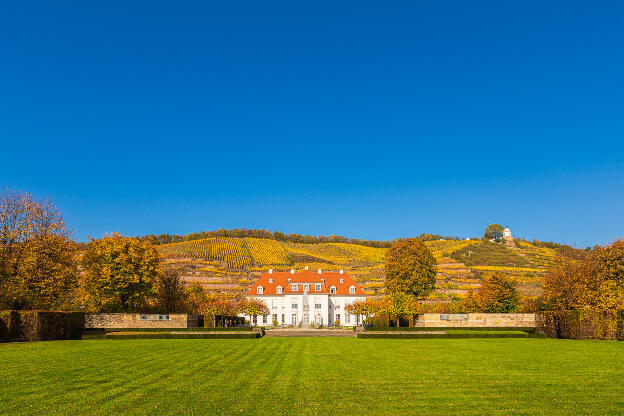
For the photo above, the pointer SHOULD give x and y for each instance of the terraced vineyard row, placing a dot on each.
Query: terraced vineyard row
(231, 251)
(267, 252)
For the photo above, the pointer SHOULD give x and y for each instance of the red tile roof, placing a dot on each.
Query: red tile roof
(286, 279)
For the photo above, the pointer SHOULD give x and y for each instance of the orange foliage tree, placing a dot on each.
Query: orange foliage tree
(252, 307)
(410, 268)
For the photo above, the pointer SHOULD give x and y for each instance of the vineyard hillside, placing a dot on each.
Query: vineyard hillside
(230, 265)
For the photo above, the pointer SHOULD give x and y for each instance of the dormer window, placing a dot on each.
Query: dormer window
(318, 288)
(306, 287)
(270, 280)
(341, 280)
(295, 287)
(352, 290)
(260, 290)
(279, 290)
(332, 290)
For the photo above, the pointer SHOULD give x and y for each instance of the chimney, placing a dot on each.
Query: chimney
(306, 267)
(319, 271)
(292, 271)
(270, 271)
(341, 271)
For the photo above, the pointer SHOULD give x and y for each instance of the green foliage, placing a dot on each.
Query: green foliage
(493, 232)
(487, 253)
(410, 268)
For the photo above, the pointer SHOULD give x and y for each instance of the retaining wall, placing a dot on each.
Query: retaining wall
(139, 320)
(493, 320)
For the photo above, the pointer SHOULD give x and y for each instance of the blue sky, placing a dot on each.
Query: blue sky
(373, 120)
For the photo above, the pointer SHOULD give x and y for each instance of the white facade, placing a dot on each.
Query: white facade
(307, 309)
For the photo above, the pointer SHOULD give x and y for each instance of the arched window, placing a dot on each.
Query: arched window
(260, 290)
(352, 291)
(332, 290)
(279, 290)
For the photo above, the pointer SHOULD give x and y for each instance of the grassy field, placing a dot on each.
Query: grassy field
(313, 376)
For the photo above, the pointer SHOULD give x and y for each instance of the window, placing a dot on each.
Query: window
(274, 318)
(318, 288)
(332, 290)
(347, 318)
(341, 280)
(270, 280)
(294, 306)
(317, 306)
(148, 317)
(306, 288)
(274, 303)
(352, 290)
(295, 287)
(338, 317)
(279, 290)
(260, 290)
(283, 318)
(294, 319)
(337, 306)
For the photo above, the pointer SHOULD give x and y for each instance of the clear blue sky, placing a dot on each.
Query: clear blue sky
(374, 120)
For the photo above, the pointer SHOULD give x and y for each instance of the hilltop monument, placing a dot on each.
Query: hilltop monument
(509, 240)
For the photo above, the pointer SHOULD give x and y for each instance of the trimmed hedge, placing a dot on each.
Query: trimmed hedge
(448, 328)
(165, 335)
(440, 336)
(198, 329)
(576, 324)
(619, 333)
(41, 325)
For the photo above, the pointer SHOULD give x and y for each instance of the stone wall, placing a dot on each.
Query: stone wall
(138, 320)
(491, 320)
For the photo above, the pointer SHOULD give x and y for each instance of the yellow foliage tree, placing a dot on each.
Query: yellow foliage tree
(119, 273)
(38, 268)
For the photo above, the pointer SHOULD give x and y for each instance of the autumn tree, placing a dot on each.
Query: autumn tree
(217, 304)
(195, 297)
(410, 268)
(493, 232)
(252, 307)
(170, 294)
(120, 273)
(595, 282)
(498, 294)
(38, 268)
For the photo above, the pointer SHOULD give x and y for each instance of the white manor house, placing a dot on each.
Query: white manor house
(305, 298)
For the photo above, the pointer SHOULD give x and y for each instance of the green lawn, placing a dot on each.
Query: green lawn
(313, 376)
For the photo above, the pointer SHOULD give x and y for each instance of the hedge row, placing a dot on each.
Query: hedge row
(165, 335)
(216, 329)
(582, 324)
(479, 328)
(40, 325)
(440, 336)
